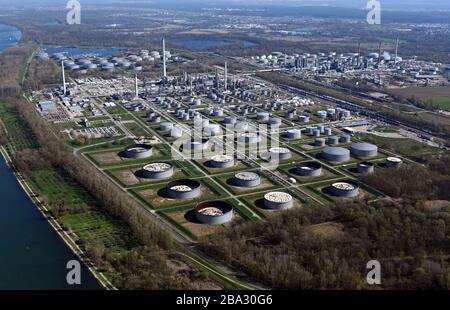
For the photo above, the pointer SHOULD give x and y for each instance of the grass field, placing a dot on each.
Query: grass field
(100, 227)
(58, 187)
(405, 147)
(440, 102)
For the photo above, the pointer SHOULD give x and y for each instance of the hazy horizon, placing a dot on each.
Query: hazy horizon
(405, 5)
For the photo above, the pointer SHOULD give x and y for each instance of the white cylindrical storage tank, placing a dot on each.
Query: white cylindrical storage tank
(345, 139)
(278, 201)
(247, 179)
(346, 189)
(222, 161)
(280, 153)
(320, 142)
(165, 126)
(337, 154)
(393, 162)
(183, 189)
(294, 134)
(333, 140)
(274, 121)
(309, 169)
(158, 171)
(364, 150)
(366, 167)
(214, 212)
(249, 137)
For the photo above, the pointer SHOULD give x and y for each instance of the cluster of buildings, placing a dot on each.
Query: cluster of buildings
(380, 68)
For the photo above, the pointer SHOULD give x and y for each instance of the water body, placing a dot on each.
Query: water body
(9, 36)
(204, 44)
(81, 51)
(32, 256)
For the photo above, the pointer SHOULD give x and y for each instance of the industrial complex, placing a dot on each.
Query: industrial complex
(224, 145)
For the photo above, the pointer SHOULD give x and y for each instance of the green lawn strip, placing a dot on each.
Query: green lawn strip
(19, 137)
(99, 226)
(401, 146)
(58, 187)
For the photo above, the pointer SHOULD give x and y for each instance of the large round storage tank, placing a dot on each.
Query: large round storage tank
(364, 150)
(183, 189)
(214, 212)
(337, 154)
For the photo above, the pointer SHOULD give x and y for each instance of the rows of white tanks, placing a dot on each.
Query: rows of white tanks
(131, 61)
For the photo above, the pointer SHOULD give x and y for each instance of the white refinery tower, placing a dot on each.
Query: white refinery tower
(396, 51)
(63, 78)
(136, 89)
(164, 58)
(226, 76)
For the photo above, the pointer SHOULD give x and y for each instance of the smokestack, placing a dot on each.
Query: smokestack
(379, 53)
(226, 76)
(64, 78)
(164, 58)
(396, 52)
(136, 89)
(359, 54)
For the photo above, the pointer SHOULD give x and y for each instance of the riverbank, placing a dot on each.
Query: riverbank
(55, 225)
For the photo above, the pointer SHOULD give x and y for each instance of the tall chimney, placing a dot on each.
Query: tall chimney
(379, 53)
(64, 78)
(164, 58)
(396, 52)
(226, 76)
(359, 54)
(136, 89)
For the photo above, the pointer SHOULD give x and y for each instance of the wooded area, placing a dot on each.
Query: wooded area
(288, 252)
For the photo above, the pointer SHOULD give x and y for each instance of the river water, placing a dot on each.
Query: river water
(32, 255)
